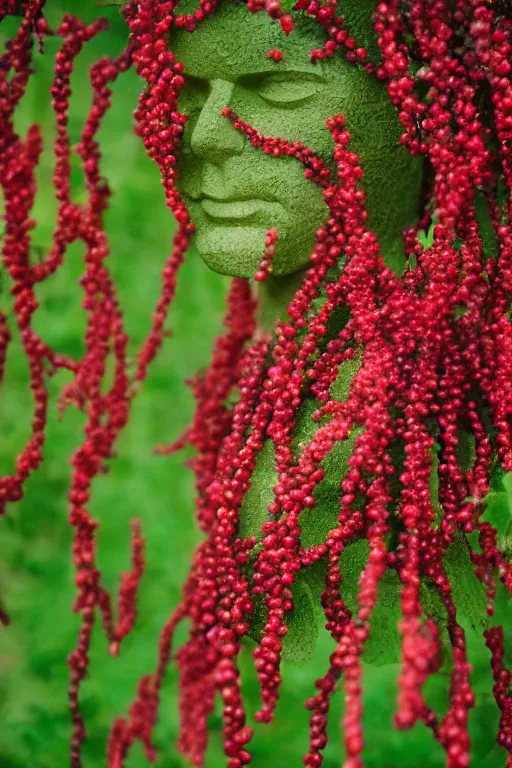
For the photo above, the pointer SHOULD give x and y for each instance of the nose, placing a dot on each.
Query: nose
(213, 137)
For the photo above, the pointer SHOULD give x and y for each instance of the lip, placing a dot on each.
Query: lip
(233, 210)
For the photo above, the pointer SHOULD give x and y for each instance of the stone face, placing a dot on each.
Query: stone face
(235, 192)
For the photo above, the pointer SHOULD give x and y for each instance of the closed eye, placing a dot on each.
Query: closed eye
(284, 88)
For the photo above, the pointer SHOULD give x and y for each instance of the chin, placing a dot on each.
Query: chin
(234, 251)
(238, 251)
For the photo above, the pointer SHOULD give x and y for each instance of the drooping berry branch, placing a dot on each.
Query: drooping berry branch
(434, 373)
(107, 412)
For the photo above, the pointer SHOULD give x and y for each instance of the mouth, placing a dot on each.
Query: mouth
(237, 209)
(255, 211)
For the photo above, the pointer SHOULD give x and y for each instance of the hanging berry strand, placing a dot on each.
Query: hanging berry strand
(434, 374)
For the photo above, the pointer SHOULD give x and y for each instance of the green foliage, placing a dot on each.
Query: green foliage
(487, 233)
(36, 576)
(303, 621)
(253, 512)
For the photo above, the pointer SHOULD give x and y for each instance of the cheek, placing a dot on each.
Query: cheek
(256, 174)
(303, 122)
(295, 249)
(307, 212)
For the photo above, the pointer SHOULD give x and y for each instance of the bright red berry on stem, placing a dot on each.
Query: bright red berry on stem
(435, 346)
(276, 55)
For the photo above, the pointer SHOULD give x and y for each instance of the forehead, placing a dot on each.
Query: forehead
(234, 42)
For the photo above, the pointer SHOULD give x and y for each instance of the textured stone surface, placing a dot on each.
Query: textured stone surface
(235, 192)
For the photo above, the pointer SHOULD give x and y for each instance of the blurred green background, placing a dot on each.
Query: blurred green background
(36, 577)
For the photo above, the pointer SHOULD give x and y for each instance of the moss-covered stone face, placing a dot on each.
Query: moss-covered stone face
(235, 192)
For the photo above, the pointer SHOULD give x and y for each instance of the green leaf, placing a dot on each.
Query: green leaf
(254, 509)
(340, 389)
(318, 521)
(486, 229)
(427, 238)
(507, 484)
(303, 622)
(497, 477)
(434, 480)
(499, 509)
(300, 642)
(383, 644)
(468, 592)
(498, 513)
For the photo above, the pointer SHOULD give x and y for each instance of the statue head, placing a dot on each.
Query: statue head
(235, 193)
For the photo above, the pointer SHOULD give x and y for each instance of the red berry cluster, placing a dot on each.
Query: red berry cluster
(265, 267)
(436, 367)
(426, 339)
(339, 37)
(212, 420)
(273, 8)
(501, 690)
(108, 411)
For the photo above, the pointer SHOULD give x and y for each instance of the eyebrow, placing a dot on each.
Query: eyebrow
(315, 71)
